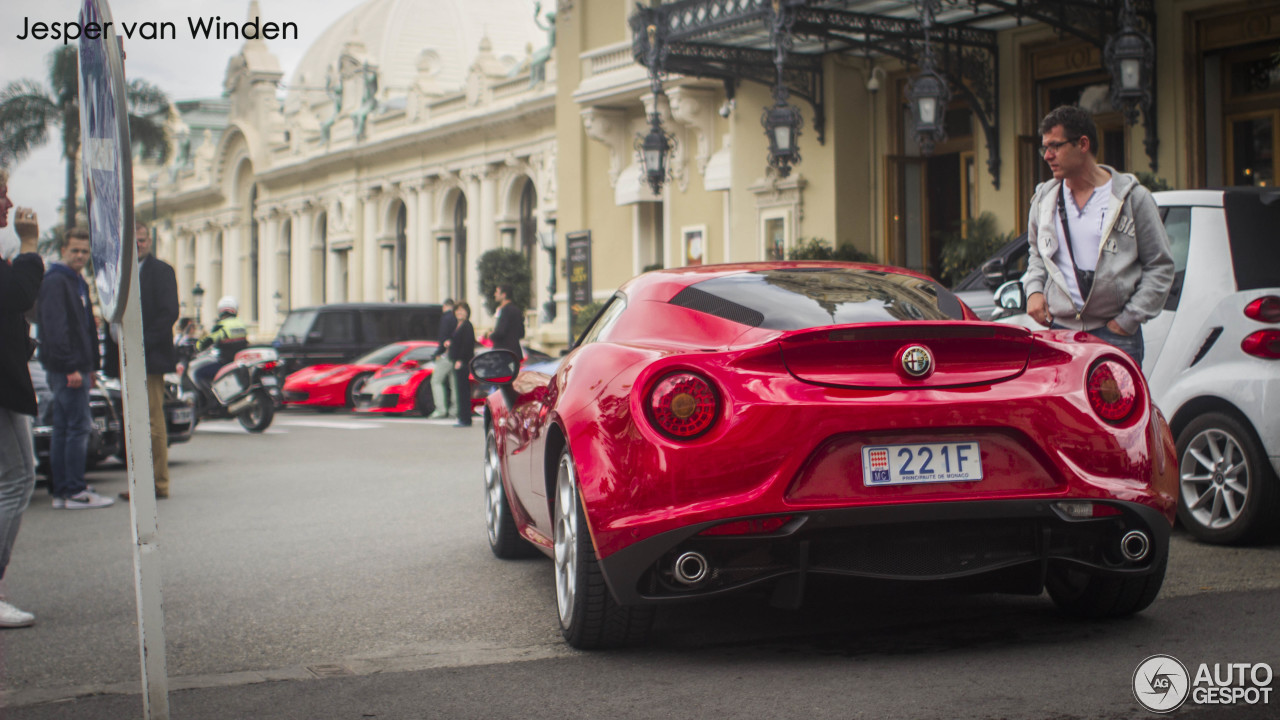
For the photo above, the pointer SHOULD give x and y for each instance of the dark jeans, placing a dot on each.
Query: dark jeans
(1130, 344)
(69, 441)
(462, 381)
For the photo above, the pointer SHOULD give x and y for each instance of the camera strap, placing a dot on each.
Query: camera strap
(1084, 278)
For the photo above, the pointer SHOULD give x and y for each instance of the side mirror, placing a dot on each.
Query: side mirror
(1011, 297)
(499, 367)
(993, 272)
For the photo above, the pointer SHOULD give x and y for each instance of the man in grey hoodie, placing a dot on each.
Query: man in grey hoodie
(1100, 259)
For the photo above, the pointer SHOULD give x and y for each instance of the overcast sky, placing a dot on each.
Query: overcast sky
(183, 68)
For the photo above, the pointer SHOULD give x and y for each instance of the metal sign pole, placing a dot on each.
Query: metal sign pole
(107, 163)
(142, 511)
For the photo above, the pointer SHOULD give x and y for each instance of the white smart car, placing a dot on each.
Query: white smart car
(1212, 357)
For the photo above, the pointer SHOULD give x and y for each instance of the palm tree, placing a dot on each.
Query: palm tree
(28, 110)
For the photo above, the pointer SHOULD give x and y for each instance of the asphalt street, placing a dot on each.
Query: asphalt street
(337, 567)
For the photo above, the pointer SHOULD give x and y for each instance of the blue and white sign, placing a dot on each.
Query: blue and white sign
(106, 159)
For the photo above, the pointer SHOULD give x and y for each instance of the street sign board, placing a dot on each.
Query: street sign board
(106, 159)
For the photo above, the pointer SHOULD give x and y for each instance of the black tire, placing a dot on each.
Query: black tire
(1080, 593)
(354, 387)
(1228, 491)
(423, 401)
(504, 538)
(590, 618)
(257, 417)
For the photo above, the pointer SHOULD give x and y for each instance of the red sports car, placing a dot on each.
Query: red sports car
(338, 385)
(406, 387)
(723, 426)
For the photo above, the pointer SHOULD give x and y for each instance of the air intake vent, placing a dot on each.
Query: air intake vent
(696, 299)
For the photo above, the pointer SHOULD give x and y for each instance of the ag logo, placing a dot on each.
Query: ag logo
(1161, 683)
(917, 361)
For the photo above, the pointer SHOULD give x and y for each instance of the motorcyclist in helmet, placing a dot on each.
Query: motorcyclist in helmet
(229, 333)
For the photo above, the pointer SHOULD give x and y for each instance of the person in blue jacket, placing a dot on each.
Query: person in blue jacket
(69, 353)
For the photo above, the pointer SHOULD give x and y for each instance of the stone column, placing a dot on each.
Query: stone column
(366, 251)
(300, 285)
(268, 282)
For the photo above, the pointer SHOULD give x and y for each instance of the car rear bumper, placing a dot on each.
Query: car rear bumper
(997, 545)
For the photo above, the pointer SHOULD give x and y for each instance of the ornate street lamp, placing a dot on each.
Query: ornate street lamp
(782, 121)
(654, 147)
(929, 93)
(1130, 57)
(197, 295)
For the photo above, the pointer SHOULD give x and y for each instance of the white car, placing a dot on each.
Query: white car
(1212, 357)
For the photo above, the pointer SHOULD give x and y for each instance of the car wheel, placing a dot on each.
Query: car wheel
(589, 616)
(1081, 593)
(423, 401)
(504, 538)
(354, 387)
(1228, 491)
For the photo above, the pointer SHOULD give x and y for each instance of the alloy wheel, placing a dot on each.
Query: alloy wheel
(1215, 478)
(492, 488)
(566, 538)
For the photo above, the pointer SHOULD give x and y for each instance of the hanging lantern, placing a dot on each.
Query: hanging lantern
(653, 149)
(1130, 57)
(782, 124)
(929, 96)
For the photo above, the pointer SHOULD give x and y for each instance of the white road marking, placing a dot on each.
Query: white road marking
(331, 424)
(210, 426)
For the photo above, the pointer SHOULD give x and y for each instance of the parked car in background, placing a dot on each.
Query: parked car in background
(1212, 358)
(337, 385)
(106, 410)
(339, 333)
(404, 386)
(718, 428)
(977, 288)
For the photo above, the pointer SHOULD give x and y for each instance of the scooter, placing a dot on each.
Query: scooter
(245, 388)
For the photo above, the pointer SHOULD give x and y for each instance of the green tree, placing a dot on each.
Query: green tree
(28, 110)
(964, 251)
(502, 266)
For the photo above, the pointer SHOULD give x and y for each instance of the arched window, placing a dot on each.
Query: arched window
(529, 228)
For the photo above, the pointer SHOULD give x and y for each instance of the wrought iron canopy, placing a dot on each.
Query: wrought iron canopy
(730, 40)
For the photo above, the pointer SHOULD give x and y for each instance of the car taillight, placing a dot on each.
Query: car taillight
(756, 526)
(271, 365)
(1264, 309)
(683, 405)
(1112, 391)
(1263, 344)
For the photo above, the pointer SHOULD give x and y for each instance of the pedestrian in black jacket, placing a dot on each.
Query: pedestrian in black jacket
(158, 287)
(462, 347)
(19, 286)
(508, 330)
(69, 353)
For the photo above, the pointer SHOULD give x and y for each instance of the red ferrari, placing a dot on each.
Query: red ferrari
(719, 427)
(336, 386)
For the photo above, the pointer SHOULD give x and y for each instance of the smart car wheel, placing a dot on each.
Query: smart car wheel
(504, 539)
(355, 386)
(589, 616)
(1228, 491)
(1084, 594)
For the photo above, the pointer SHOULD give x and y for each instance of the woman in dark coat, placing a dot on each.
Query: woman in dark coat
(462, 347)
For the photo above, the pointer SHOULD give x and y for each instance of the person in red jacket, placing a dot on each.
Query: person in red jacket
(19, 286)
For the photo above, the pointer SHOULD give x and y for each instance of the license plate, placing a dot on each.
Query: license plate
(268, 379)
(924, 463)
(100, 424)
(182, 416)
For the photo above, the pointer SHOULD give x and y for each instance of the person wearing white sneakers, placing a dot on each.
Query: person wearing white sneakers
(19, 285)
(69, 353)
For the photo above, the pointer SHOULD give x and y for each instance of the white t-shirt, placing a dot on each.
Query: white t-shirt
(1086, 235)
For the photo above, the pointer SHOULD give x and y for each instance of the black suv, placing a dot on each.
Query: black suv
(337, 333)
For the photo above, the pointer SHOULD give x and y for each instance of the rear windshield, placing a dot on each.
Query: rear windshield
(1252, 219)
(798, 298)
(295, 327)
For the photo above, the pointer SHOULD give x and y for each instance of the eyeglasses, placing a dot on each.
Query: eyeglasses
(1054, 147)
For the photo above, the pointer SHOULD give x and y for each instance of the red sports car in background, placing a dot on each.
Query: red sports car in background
(723, 426)
(406, 387)
(338, 385)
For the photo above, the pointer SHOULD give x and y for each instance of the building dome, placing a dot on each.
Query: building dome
(444, 35)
